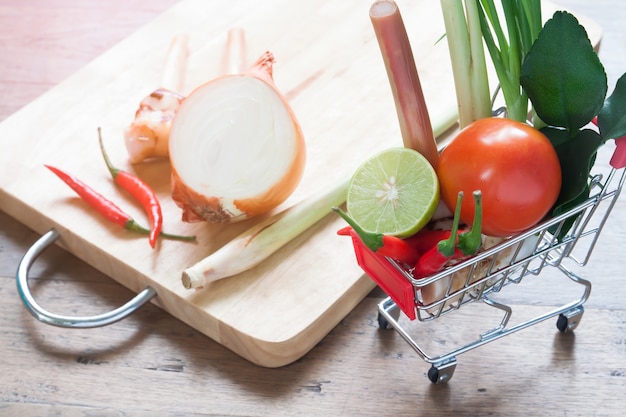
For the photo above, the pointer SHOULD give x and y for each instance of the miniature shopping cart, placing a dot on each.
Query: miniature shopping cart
(487, 273)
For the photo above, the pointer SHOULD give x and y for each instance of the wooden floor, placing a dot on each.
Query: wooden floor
(151, 364)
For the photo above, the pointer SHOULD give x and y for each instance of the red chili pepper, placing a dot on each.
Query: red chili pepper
(437, 256)
(107, 208)
(433, 261)
(384, 245)
(425, 239)
(140, 191)
(344, 231)
(455, 246)
(618, 159)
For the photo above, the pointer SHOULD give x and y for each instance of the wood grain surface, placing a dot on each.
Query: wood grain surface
(277, 311)
(152, 364)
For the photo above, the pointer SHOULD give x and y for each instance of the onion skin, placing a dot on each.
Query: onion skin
(213, 206)
(195, 206)
(276, 194)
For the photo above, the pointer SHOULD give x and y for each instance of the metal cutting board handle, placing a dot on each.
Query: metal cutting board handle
(78, 322)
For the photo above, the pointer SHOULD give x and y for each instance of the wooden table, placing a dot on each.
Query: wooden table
(153, 365)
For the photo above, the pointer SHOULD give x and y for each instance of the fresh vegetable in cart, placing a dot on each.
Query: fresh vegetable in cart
(382, 244)
(457, 245)
(513, 164)
(552, 143)
(529, 163)
(539, 204)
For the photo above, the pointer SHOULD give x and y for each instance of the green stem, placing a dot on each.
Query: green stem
(132, 226)
(469, 68)
(478, 65)
(114, 171)
(374, 241)
(508, 50)
(471, 241)
(517, 104)
(446, 247)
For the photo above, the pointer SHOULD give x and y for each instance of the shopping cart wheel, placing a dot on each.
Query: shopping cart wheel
(383, 323)
(569, 320)
(391, 309)
(442, 373)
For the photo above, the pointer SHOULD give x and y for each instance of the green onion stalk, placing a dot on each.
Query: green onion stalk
(508, 48)
(464, 35)
(508, 44)
(256, 244)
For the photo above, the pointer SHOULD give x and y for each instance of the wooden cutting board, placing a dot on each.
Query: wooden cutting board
(328, 65)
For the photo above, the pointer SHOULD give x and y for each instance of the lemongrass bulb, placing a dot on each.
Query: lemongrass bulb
(236, 148)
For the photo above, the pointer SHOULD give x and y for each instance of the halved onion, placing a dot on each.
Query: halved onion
(236, 148)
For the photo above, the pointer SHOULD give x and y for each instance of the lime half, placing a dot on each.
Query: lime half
(395, 192)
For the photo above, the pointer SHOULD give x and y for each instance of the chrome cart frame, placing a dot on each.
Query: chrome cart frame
(487, 273)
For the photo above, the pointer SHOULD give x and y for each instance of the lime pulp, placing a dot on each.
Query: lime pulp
(395, 192)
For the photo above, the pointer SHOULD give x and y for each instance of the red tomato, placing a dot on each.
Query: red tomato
(514, 165)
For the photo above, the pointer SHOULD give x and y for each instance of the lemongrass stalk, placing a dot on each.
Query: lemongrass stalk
(234, 60)
(256, 244)
(467, 56)
(175, 63)
(415, 124)
(478, 65)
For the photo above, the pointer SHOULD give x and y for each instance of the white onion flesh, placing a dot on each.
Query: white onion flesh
(236, 150)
